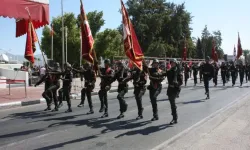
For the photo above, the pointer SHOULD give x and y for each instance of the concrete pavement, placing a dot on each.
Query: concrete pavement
(31, 128)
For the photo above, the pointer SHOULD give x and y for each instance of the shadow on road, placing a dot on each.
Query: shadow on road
(65, 143)
(22, 133)
(30, 115)
(145, 131)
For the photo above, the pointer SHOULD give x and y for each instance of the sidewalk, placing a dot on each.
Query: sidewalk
(34, 94)
(228, 130)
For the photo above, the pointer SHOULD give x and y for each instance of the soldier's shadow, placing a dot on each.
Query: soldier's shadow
(192, 102)
(145, 131)
(30, 115)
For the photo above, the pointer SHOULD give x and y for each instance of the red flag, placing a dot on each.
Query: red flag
(52, 30)
(184, 55)
(131, 45)
(239, 50)
(30, 43)
(87, 38)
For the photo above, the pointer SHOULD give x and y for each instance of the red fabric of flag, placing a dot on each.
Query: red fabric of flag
(131, 45)
(30, 43)
(239, 50)
(87, 38)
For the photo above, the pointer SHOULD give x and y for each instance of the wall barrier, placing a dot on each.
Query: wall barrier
(15, 75)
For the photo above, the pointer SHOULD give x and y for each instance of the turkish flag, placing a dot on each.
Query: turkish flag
(239, 50)
(30, 43)
(132, 47)
(87, 38)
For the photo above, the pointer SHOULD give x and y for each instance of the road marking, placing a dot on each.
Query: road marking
(184, 132)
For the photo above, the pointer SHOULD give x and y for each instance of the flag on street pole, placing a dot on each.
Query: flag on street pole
(131, 45)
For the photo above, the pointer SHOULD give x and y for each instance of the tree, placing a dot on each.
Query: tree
(108, 43)
(96, 21)
(199, 52)
(161, 24)
(73, 41)
(246, 55)
(207, 42)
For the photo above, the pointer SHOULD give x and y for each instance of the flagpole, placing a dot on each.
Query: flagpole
(81, 49)
(52, 38)
(66, 38)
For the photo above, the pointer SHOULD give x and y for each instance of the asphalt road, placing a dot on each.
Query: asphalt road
(29, 127)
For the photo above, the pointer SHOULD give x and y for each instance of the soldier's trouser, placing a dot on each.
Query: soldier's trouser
(201, 77)
(60, 93)
(215, 79)
(241, 77)
(206, 83)
(122, 102)
(52, 89)
(233, 77)
(172, 92)
(139, 92)
(66, 92)
(186, 79)
(153, 94)
(246, 76)
(228, 76)
(86, 92)
(195, 78)
(223, 75)
(103, 96)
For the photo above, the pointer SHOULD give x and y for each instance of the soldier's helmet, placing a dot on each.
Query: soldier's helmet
(173, 61)
(107, 61)
(156, 61)
(207, 58)
(67, 65)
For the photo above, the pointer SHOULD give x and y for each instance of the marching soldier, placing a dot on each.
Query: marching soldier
(200, 71)
(172, 90)
(233, 71)
(186, 73)
(216, 70)
(208, 73)
(46, 79)
(139, 81)
(120, 75)
(64, 92)
(241, 72)
(223, 73)
(228, 72)
(106, 75)
(155, 86)
(179, 78)
(195, 73)
(89, 76)
(247, 72)
(55, 85)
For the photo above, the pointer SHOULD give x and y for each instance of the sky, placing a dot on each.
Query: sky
(228, 16)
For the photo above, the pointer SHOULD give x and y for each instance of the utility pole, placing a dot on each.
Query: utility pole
(63, 57)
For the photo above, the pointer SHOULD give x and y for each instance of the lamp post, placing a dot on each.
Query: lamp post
(63, 57)
(66, 36)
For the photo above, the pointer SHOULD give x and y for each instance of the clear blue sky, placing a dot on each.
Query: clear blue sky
(228, 16)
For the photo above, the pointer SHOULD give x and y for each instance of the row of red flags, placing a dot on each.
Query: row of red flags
(132, 47)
